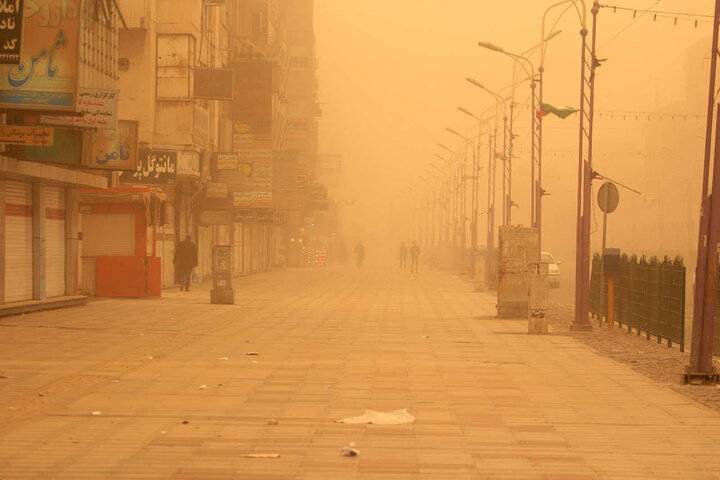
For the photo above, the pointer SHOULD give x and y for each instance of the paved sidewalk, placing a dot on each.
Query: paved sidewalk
(141, 389)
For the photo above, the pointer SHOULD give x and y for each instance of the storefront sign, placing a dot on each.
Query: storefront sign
(66, 148)
(114, 149)
(26, 135)
(154, 167)
(188, 163)
(226, 161)
(217, 190)
(97, 109)
(266, 216)
(11, 20)
(46, 76)
(252, 199)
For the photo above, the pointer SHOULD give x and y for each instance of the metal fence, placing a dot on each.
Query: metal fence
(649, 296)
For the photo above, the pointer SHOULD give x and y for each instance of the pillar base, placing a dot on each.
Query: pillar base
(222, 297)
(693, 378)
(581, 327)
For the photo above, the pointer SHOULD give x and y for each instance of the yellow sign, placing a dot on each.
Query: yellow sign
(46, 77)
(27, 135)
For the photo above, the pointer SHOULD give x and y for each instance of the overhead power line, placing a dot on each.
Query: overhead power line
(694, 18)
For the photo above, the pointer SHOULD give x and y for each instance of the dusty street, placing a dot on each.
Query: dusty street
(166, 389)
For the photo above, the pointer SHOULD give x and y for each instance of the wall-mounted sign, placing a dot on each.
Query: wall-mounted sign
(46, 76)
(226, 161)
(154, 167)
(65, 149)
(11, 22)
(97, 108)
(26, 135)
(245, 168)
(266, 216)
(188, 163)
(114, 149)
(217, 190)
(213, 83)
(252, 199)
(318, 197)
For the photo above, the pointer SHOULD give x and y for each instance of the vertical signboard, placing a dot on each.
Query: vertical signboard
(46, 76)
(11, 27)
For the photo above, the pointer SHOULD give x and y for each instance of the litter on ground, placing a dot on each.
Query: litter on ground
(396, 417)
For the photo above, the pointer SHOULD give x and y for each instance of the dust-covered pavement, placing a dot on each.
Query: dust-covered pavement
(176, 388)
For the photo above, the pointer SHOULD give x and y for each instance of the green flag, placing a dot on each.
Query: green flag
(547, 109)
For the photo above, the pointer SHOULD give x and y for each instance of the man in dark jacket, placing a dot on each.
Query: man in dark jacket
(186, 259)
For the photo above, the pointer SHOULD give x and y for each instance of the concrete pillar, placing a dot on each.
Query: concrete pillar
(72, 242)
(38, 238)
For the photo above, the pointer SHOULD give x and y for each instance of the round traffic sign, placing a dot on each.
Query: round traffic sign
(608, 197)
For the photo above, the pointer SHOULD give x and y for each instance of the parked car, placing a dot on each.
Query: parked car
(553, 269)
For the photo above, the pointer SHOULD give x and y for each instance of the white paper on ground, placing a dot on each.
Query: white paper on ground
(396, 417)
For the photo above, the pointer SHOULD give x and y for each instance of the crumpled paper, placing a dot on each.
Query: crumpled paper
(396, 417)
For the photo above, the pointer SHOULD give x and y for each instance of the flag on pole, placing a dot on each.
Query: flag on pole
(547, 109)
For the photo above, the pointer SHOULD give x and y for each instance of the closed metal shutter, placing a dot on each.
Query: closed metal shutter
(237, 249)
(54, 203)
(18, 241)
(108, 234)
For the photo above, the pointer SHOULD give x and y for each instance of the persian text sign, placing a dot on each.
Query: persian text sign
(97, 109)
(252, 199)
(226, 161)
(11, 19)
(217, 190)
(46, 76)
(27, 135)
(154, 167)
(114, 149)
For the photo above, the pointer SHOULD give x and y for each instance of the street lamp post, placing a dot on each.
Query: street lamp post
(490, 232)
(507, 153)
(462, 174)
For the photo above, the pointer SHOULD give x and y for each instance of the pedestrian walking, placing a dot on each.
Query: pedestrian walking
(403, 256)
(414, 257)
(185, 260)
(360, 254)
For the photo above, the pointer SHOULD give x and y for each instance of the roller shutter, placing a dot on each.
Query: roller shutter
(18, 241)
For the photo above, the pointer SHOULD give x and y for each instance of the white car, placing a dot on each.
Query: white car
(553, 269)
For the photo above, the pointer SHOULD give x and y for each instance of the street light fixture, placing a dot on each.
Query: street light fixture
(508, 138)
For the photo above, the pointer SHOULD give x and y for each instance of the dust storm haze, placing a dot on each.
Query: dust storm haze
(393, 74)
(359, 239)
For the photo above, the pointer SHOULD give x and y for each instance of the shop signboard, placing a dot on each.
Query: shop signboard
(216, 190)
(252, 199)
(158, 167)
(11, 23)
(66, 148)
(97, 108)
(226, 161)
(46, 76)
(114, 149)
(26, 135)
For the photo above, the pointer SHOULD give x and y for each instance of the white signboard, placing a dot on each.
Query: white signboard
(97, 108)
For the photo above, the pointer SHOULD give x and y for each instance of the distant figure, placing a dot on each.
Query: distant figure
(360, 254)
(414, 256)
(403, 256)
(186, 259)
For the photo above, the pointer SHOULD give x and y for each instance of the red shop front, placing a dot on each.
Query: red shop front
(117, 227)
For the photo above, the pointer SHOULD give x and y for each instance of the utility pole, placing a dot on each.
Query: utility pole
(588, 64)
(508, 166)
(701, 369)
(490, 233)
